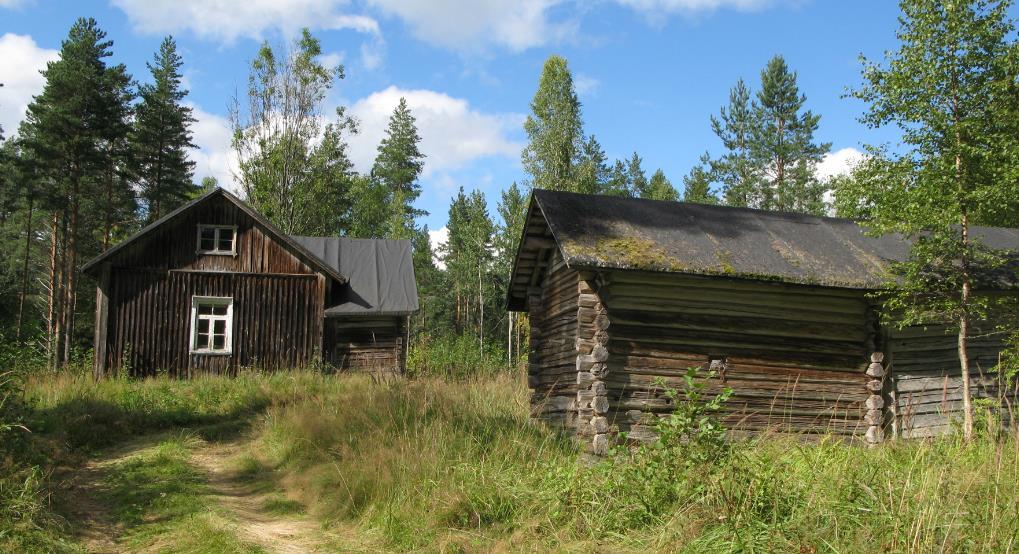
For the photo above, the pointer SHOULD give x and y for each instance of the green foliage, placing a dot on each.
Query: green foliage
(454, 357)
(660, 188)
(554, 130)
(397, 167)
(161, 136)
(770, 151)
(697, 185)
(291, 172)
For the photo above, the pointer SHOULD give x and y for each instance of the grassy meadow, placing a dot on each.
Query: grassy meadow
(450, 464)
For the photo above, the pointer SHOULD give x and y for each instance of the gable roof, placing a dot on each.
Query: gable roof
(381, 274)
(307, 257)
(593, 231)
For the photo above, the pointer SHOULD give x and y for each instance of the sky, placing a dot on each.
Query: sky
(649, 73)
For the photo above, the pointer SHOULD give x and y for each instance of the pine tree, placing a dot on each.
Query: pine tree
(783, 146)
(370, 208)
(697, 185)
(397, 167)
(325, 202)
(76, 130)
(659, 188)
(736, 169)
(950, 89)
(512, 208)
(162, 136)
(554, 130)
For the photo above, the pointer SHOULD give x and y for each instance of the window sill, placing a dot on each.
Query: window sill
(215, 253)
(210, 352)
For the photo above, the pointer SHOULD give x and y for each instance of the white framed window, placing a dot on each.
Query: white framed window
(212, 324)
(220, 240)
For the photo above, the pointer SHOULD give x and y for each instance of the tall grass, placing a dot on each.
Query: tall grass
(440, 463)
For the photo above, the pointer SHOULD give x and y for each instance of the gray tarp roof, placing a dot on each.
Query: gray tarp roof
(627, 233)
(380, 274)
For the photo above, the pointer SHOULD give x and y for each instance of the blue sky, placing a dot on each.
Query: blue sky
(649, 72)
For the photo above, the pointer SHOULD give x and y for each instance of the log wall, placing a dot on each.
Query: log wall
(277, 321)
(796, 357)
(926, 379)
(373, 344)
(552, 369)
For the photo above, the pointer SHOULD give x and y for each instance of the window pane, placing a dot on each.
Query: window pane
(207, 244)
(219, 342)
(205, 309)
(219, 327)
(208, 233)
(203, 341)
(219, 310)
(226, 240)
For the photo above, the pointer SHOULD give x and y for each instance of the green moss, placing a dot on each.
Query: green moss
(629, 252)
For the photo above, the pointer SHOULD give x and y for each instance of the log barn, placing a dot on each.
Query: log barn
(622, 293)
(214, 286)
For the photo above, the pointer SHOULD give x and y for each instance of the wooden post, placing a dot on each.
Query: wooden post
(102, 322)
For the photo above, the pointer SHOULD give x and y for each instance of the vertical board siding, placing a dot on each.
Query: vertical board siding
(276, 321)
(174, 245)
(927, 381)
(795, 356)
(552, 367)
(373, 344)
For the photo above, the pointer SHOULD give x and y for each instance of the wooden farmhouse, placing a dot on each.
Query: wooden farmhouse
(214, 286)
(623, 292)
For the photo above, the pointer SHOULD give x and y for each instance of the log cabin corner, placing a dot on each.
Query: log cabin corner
(214, 286)
(621, 293)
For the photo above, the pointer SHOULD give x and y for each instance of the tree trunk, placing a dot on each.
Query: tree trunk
(53, 316)
(964, 321)
(72, 275)
(24, 268)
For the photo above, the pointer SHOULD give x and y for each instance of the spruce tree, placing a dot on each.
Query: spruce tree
(660, 188)
(554, 130)
(618, 183)
(162, 136)
(783, 146)
(397, 167)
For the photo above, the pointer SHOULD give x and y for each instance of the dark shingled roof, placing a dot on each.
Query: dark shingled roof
(380, 274)
(627, 233)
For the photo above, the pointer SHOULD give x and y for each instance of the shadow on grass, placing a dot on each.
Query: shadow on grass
(89, 424)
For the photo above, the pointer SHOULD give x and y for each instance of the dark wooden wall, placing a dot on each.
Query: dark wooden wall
(277, 321)
(795, 356)
(376, 344)
(174, 246)
(552, 367)
(145, 294)
(926, 381)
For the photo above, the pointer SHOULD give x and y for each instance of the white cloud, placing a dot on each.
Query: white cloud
(585, 84)
(452, 133)
(213, 155)
(663, 7)
(466, 24)
(332, 59)
(840, 162)
(436, 239)
(12, 3)
(22, 59)
(228, 20)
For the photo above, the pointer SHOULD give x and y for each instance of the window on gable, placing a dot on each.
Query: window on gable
(217, 239)
(211, 324)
